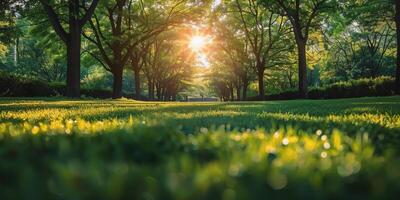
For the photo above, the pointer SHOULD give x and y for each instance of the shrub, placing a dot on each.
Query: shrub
(381, 86)
(290, 94)
(12, 86)
(7, 84)
(61, 89)
(366, 87)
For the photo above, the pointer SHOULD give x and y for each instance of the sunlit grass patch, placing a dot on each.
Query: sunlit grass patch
(126, 149)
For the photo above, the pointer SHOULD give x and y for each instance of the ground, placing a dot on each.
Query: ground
(71, 149)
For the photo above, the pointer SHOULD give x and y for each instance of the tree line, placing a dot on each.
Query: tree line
(117, 35)
(263, 45)
(322, 41)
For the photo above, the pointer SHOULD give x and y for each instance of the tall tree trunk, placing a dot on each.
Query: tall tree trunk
(398, 46)
(238, 93)
(72, 39)
(152, 91)
(232, 93)
(291, 84)
(244, 96)
(136, 72)
(117, 82)
(302, 59)
(150, 88)
(74, 51)
(74, 62)
(261, 90)
(163, 94)
(158, 90)
(16, 52)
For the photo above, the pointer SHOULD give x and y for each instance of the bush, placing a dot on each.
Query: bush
(366, 87)
(61, 89)
(381, 86)
(12, 86)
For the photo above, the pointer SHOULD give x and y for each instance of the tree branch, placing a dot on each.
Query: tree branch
(55, 21)
(88, 13)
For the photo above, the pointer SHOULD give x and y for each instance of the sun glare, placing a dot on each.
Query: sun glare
(198, 42)
(199, 45)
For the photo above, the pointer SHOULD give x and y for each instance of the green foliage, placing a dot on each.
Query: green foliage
(9, 10)
(345, 40)
(366, 87)
(14, 86)
(381, 86)
(361, 51)
(128, 149)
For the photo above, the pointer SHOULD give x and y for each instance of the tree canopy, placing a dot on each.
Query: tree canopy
(175, 49)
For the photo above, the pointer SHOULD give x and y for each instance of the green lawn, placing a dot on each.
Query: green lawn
(71, 149)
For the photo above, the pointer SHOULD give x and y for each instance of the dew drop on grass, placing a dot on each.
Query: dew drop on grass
(276, 134)
(285, 141)
(327, 145)
(35, 130)
(324, 138)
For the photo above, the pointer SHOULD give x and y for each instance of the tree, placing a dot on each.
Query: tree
(221, 82)
(363, 51)
(35, 62)
(10, 11)
(71, 37)
(137, 62)
(397, 20)
(234, 55)
(282, 76)
(369, 14)
(119, 26)
(109, 30)
(179, 13)
(263, 30)
(303, 16)
(167, 67)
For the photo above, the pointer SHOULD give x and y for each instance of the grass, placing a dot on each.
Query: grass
(113, 149)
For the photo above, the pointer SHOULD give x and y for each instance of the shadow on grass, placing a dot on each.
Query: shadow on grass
(307, 115)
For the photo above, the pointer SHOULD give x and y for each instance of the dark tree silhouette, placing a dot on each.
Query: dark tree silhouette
(114, 52)
(72, 38)
(263, 33)
(137, 63)
(398, 46)
(302, 16)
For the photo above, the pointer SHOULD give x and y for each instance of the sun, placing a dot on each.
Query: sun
(197, 42)
(200, 45)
